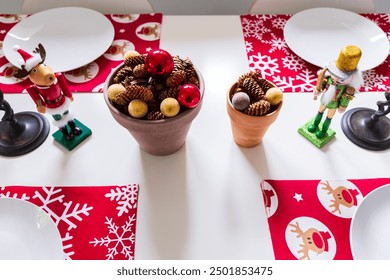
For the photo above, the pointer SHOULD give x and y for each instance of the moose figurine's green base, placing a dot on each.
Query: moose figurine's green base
(70, 145)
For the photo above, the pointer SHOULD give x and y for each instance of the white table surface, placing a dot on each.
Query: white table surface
(203, 202)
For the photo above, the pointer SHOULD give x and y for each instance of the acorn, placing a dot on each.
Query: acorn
(274, 96)
(170, 107)
(240, 100)
(113, 90)
(138, 108)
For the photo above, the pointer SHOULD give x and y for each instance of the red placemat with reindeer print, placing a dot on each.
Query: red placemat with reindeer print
(140, 32)
(311, 219)
(95, 222)
(268, 52)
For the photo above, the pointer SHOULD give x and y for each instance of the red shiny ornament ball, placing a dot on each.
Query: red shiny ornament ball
(188, 95)
(159, 62)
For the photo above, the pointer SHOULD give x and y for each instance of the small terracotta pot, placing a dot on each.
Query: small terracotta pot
(248, 131)
(156, 137)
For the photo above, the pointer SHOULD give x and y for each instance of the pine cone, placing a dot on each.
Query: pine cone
(155, 115)
(154, 105)
(178, 64)
(258, 108)
(139, 71)
(264, 84)
(135, 60)
(169, 92)
(176, 78)
(127, 81)
(252, 74)
(189, 69)
(139, 92)
(193, 80)
(122, 74)
(254, 91)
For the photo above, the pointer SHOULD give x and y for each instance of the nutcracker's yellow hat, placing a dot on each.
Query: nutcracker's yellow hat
(347, 62)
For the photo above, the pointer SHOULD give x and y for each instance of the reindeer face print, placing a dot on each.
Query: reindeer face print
(270, 198)
(308, 238)
(339, 197)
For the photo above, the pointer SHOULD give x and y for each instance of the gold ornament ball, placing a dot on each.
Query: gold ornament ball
(130, 54)
(138, 108)
(170, 107)
(113, 90)
(274, 95)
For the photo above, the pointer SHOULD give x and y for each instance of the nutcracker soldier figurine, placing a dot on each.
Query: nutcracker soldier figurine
(337, 84)
(51, 94)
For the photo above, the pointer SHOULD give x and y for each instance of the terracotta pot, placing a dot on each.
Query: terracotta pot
(156, 137)
(248, 131)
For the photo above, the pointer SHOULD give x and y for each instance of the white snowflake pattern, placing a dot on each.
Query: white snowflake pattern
(293, 62)
(284, 83)
(277, 44)
(279, 23)
(254, 28)
(69, 213)
(385, 17)
(119, 240)
(67, 246)
(264, 16)
(265, 64)
(8, 194)
(126, 196)
(306, 77)
(372, 80)
(248, 46)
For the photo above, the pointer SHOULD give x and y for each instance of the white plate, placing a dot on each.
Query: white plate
(317, 35)
(27, 232)
(370, 227)
(72, 37)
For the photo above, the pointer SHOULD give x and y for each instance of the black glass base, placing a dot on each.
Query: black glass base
(364, 131)
(26, 132)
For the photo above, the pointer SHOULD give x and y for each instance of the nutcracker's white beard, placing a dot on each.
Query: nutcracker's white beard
(356, 82)
(328, 95)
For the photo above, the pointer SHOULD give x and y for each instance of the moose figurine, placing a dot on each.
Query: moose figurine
(51, 94)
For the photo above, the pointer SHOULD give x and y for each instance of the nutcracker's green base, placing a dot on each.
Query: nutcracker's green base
(319, 143)
(70, 145)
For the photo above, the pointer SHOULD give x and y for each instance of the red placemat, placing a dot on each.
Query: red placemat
(267, 51)
(140, 32)
(297, 208)
(95, 223)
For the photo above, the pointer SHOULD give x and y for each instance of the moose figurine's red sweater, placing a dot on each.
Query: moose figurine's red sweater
(52, 96)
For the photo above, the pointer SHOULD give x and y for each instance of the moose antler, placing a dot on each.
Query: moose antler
(327, 187)
(297, 230)
(335, 204)
(305, 249)
(41, 51)
(21, 73)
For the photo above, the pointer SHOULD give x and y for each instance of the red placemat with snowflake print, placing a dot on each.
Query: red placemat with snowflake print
(311, 219)
(267, 51)
(140, 32)
(95, 223)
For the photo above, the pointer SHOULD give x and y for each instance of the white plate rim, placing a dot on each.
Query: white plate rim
(47, 226)
(61, 64)
(366, 62)
(367, 200)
